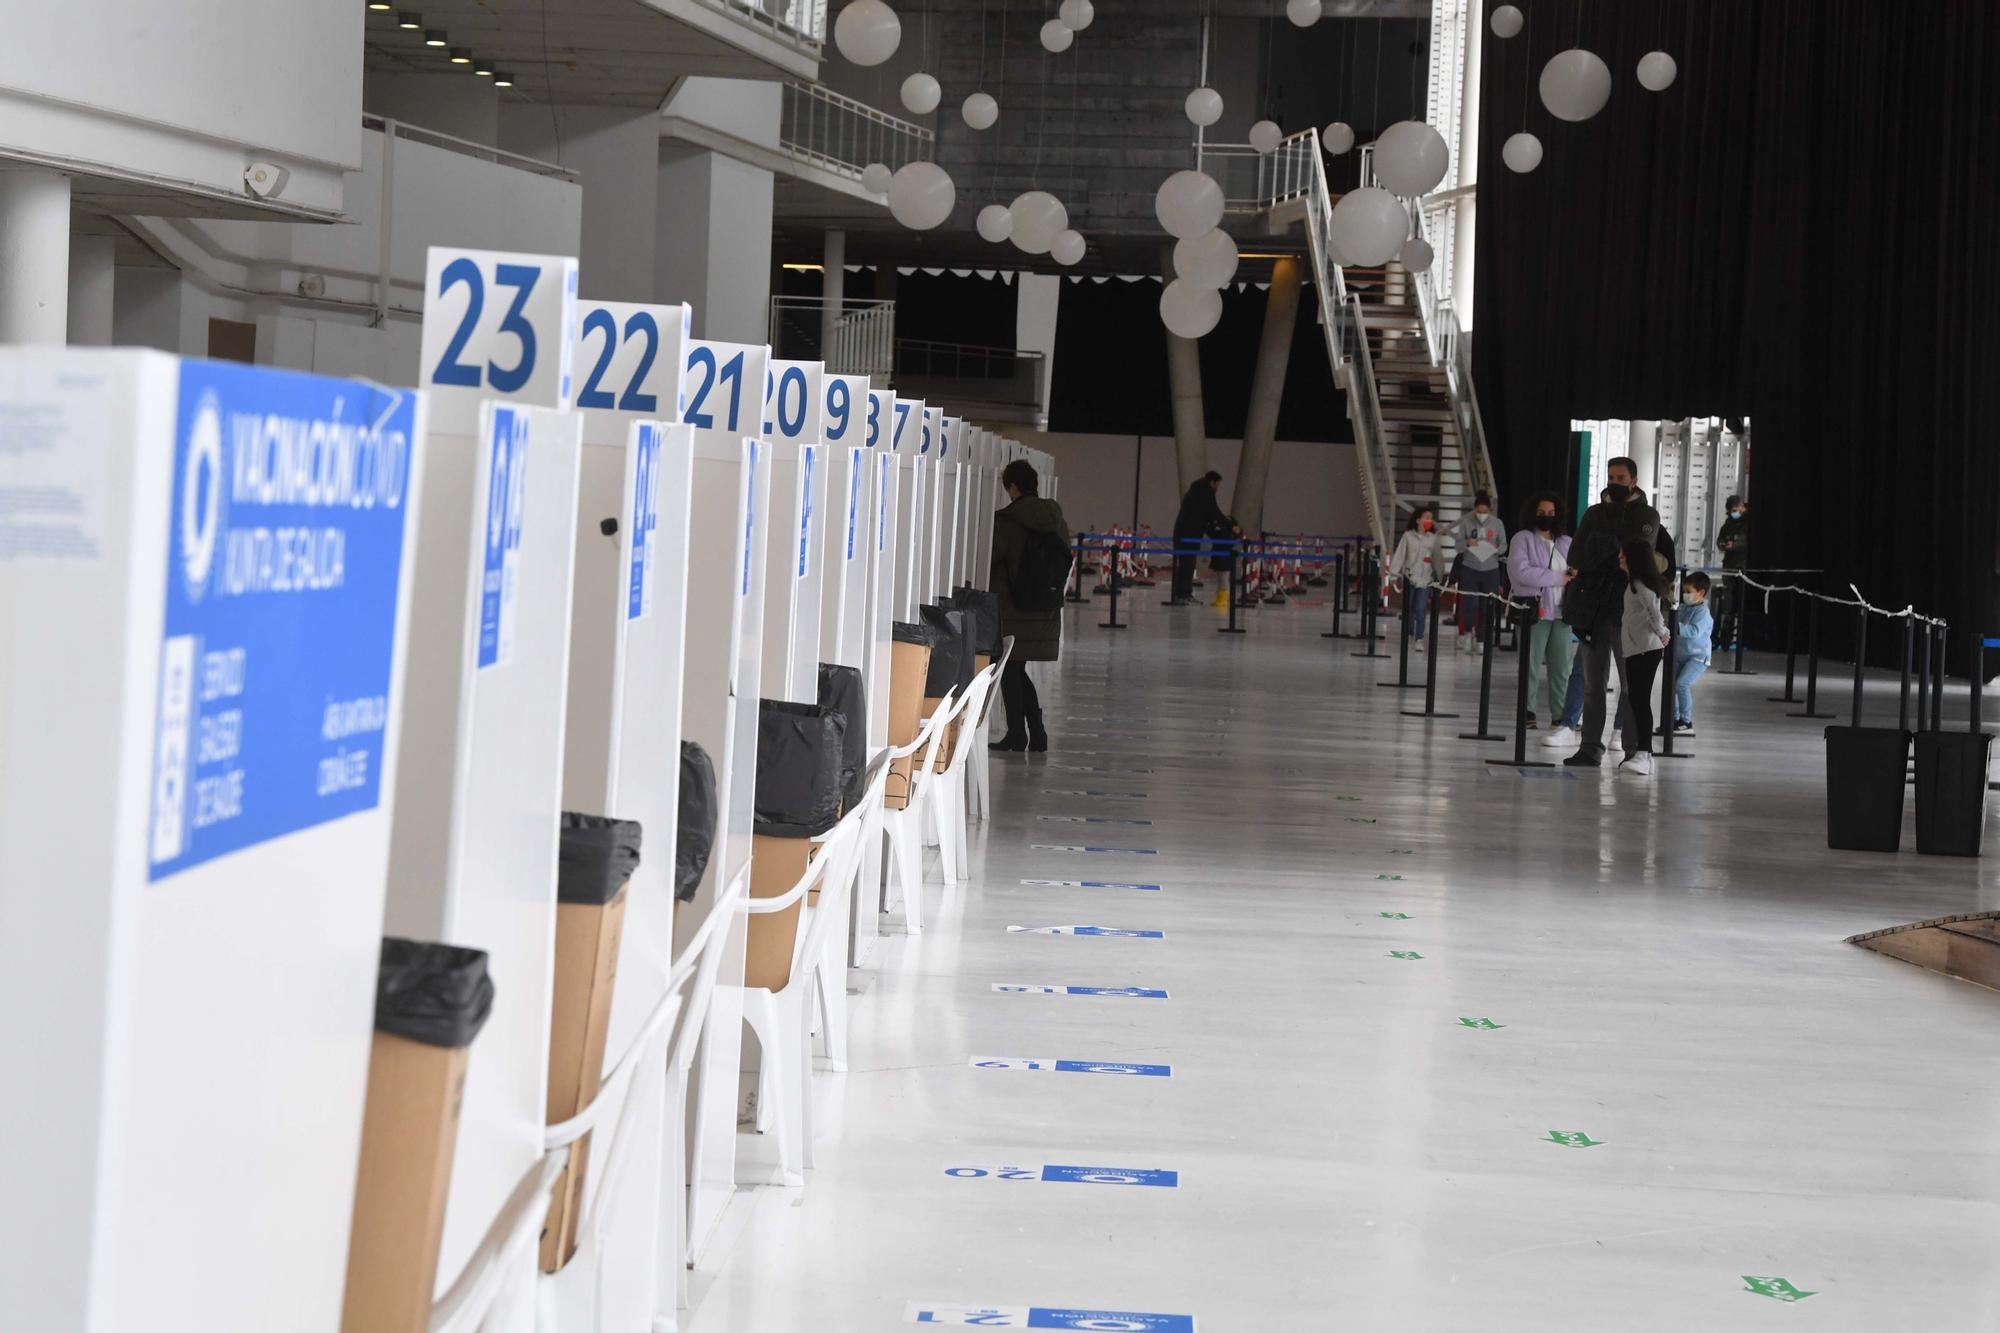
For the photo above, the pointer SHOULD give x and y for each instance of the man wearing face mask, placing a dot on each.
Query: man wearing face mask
(1732, 539)
(1594, 603)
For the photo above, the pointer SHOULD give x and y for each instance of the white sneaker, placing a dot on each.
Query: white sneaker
(1561, 737)
(1417, 644)
(1638, 764)
(1615, 743)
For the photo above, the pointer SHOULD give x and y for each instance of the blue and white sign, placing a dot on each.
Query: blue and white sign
(903, 432)
(1080, 768)
(881, 420)
(1093, 932)
(1042, 1065)
(846, 407)
(285, 549)
(722, 382)
(500, 554)
(645, 520)
(1104, 851)
(496, 325)
(853, 502)
(1091, 884)
(749, 510)
(807, 456)
(794, 398)
(1069, 1175)
(634, 359)
(882, 487)
(1106, 992)
(1093, 819)
(1040, 1316)
(1103, 795)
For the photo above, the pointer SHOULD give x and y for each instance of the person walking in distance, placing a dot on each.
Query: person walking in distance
(1482, 546)
(1643, 639)
(1538, 565)
(1030, 569)
(1732, 539)
(1416, 564)
(1594, 602)
(1200, 517)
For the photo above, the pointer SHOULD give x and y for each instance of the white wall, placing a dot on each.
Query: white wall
(1314, 488)
(615, 153)
(714, 243)
(188, 91)
(450, 103)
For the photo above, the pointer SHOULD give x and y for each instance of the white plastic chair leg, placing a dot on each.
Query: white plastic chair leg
(802, 1038)
(765, 1013)
(907, 844)
(982, 783)
(830, 982)
(944, 817)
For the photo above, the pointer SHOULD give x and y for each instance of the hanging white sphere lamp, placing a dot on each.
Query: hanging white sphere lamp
(1207, 260)
(1189, 311)
(1370, 226)
(1657, 71)
(1265, 136)
(1076, 15)
(1188, 204)
(1057, 35)
(1067, 247)
(1337, 138)
(921, 94)
(1506, 21)
(1522, 152)
(875, 178)
(980, 111)
(1302, 13)
(867, 32)
(995, 223)
(1575, 84)
(1411, 158)
(921, 195)
(1204, 106)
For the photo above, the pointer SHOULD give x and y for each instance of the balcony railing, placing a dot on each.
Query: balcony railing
(841, 135)
(795, 18)
(1254, 182)
(860, 341)
(970, 373)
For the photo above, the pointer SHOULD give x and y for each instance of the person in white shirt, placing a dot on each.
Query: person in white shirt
(1415, 563)
(1482, 546)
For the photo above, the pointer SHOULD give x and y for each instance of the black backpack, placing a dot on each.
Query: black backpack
(1041, 577)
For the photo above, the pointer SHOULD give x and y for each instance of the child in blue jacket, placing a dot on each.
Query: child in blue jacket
(1695, 647)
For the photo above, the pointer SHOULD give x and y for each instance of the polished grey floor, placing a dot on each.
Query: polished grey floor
(1661, 963)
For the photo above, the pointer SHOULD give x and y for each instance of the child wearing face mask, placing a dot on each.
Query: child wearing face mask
(1694, 647)
(1482, 545)
(1415, 563)
(1538, 567)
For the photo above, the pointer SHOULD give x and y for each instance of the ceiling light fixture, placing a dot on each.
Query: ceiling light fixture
(410, 21)
(380, 6)
(502, 79)
(461, 56)
(435, 37)
(484, 69)
(806, 268)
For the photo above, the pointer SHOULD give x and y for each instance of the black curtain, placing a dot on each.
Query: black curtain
(1801, 230)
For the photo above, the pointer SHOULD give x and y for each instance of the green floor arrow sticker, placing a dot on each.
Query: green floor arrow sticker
(1347, 798)
(1573, 1138)
(1483, 1024)
(1388, 877)
(1402, 851)
(1777, 1288)
(1394, 916)
(1405, 954)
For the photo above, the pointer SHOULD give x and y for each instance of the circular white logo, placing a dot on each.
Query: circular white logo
(201, 498)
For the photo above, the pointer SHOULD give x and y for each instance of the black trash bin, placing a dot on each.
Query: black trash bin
(952, 667)
(695, 821)
(983, 610)
(800, 749)
(1951, 791)
(1865, 775)
(841, 691)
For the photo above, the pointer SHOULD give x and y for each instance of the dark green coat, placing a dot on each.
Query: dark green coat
(1037, 634)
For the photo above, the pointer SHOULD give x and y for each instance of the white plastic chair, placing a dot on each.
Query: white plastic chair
(980, 791)
(948, 797)
(830, 971)
(905, 826)
(782, 1019)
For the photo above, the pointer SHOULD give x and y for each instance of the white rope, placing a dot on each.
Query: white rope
(1859, 600)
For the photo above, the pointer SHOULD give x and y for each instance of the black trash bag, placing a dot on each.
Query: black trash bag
(438, 994)
(902, 631)
(951, 663)
(694, 837)
(841, 691)
(799, 756)
(596, 856)
(983, 610)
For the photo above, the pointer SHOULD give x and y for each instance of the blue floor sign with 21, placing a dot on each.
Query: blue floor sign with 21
(1039, 1316)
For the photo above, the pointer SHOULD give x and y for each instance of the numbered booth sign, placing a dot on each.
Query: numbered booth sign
(936, 502)
(631, 363)
(844, 534)
(724, 383)
(906, 432)
(496, 325)
(793, 402)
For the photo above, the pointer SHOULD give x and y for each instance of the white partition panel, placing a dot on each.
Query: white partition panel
(905, 440)
(844, 549)
(729, 498)
(794, 407)
(202, 640)
(878, 632)
(473, 852)
(951, 456)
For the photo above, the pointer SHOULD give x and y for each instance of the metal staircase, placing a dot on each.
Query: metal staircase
(1395, 350)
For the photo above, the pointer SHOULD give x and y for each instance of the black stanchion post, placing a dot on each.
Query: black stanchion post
(1234, 579)
(1812, 664)
(1339, 599)
(1924, 677)
(1937, 684)
(1402, 680)
(1113, 581)
(1076, 588)
(1739, 593)
(1370, 593)
(1909, 659)
(1489, 630)
(1860, 658)
(1431, 667)
(1520, 759)
(1668, 667)
(1791, 650)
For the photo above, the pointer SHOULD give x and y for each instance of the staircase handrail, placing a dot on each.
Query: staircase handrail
(1451, 352)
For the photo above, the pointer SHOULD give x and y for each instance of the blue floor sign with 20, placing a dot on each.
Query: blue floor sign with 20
(1049, 1174)
(1039, 1316)
(1044, 1065)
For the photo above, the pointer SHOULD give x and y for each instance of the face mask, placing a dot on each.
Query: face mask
(1619, 494)
(1423, 525)
(1736, 513)
(1481, 515)
(1545, 522)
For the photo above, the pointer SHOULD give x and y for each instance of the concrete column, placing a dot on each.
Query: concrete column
(1184, 393)
(92, 266)
(1037, 298)
(1267, 388)
(832, 287)
(34, 257)
(714, 243)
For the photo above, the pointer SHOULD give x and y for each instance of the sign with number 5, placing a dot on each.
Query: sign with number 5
(496, 325)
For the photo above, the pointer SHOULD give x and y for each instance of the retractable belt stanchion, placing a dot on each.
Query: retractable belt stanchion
(1234, 577)
(1937, 684)
(1339, 599)
(1520, 759)
(1114, 580)
(1909, 658)
(1812, 665)
(1402, 680)
(1431, 667)
(1668, 670)
(1924, 667)
(1489, 630)
(1791, 650)
(1076, 587)
(1370, 595)
(1741, 592)
(1860, 659)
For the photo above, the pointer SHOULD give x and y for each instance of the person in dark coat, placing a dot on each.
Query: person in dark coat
(1200, 517)
(1037, 634)
(1733, 540)
(1594, 601)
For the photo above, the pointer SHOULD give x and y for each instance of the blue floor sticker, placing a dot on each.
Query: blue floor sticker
(1103, 795)
(1043, 1065)
(1094, 819)
(1101, 851)
(1070, 1175)
(1091, 884)
(1126, 992)
(1041, 1316)
(1093, 932)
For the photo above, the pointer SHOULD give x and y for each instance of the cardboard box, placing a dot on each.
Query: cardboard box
(775, 865)
(909, 664)
(587, 937)
(409, 1132)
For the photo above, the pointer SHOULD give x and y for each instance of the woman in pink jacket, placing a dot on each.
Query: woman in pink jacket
(1538, 567)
